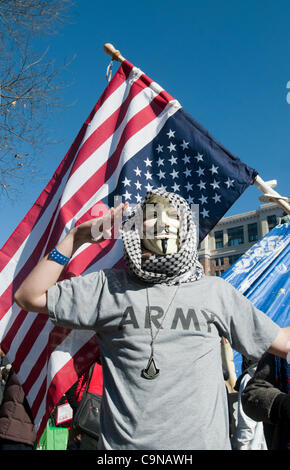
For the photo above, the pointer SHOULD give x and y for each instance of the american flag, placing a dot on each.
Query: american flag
(137, 137)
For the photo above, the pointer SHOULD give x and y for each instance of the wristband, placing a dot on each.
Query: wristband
(56, 256)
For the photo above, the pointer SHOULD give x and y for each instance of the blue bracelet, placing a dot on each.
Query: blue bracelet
(56, 256)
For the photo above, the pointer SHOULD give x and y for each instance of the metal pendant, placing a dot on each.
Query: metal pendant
(151, 371)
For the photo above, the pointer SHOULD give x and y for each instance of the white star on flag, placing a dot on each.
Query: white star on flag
(126, 182)
(184, 144)
(186, 159)
(216, 198)
(229, 183)
(148, 162)
(173, 160)
(171, 147)
(137, 171)
(148, 175)
(127, 195)
(175, 187)
(200, 171)
(159, 148)
(199, 157)
(174, 174)
(201, 185)
(170, 133)
(215, 184)
(203, 199)
(138, 185)
(204, 213)
(214, 169)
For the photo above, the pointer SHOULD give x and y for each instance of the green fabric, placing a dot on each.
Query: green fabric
(53, 438)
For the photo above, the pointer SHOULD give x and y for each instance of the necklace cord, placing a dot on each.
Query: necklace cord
(153, 337)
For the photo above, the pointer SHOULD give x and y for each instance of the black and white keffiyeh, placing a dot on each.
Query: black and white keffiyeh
(163, 269)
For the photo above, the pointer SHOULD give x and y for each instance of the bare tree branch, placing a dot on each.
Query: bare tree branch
(30, 83)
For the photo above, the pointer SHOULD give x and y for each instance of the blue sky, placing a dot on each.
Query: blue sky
(226, 61)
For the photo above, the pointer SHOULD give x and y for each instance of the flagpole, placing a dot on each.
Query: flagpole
(270, 195)
(114, 53)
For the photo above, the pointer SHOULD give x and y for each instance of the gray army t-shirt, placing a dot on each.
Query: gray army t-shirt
(185, 407)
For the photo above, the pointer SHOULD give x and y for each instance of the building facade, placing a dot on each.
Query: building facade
(234, 235)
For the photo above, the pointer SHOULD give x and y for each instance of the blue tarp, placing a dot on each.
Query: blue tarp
(262, 275)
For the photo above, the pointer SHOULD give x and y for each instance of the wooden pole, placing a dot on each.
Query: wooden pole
(270, 195)
(114, 53)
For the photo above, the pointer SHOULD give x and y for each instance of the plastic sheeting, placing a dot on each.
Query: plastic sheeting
(262, 275)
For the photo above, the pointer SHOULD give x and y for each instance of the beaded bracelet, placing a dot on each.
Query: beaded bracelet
(56, 256)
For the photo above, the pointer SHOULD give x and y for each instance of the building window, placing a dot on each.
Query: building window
(272, 221)
(235, 236)
(219, 242)
(233, 259)
(217, 273)
(222, 261)
(216, 261)
(252, 232)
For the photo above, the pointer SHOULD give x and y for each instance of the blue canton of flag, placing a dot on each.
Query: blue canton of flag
(185, 159)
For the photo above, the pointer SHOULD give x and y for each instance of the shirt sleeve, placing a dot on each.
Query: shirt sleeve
(249, 331)
(74, 303)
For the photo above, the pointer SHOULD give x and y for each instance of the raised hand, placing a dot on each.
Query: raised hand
(99, 229)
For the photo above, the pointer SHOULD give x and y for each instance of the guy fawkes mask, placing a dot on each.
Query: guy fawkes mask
(160, 226)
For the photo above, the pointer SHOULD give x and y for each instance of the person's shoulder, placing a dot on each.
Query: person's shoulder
(220, 282)
(213, 281)
(216, 285)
